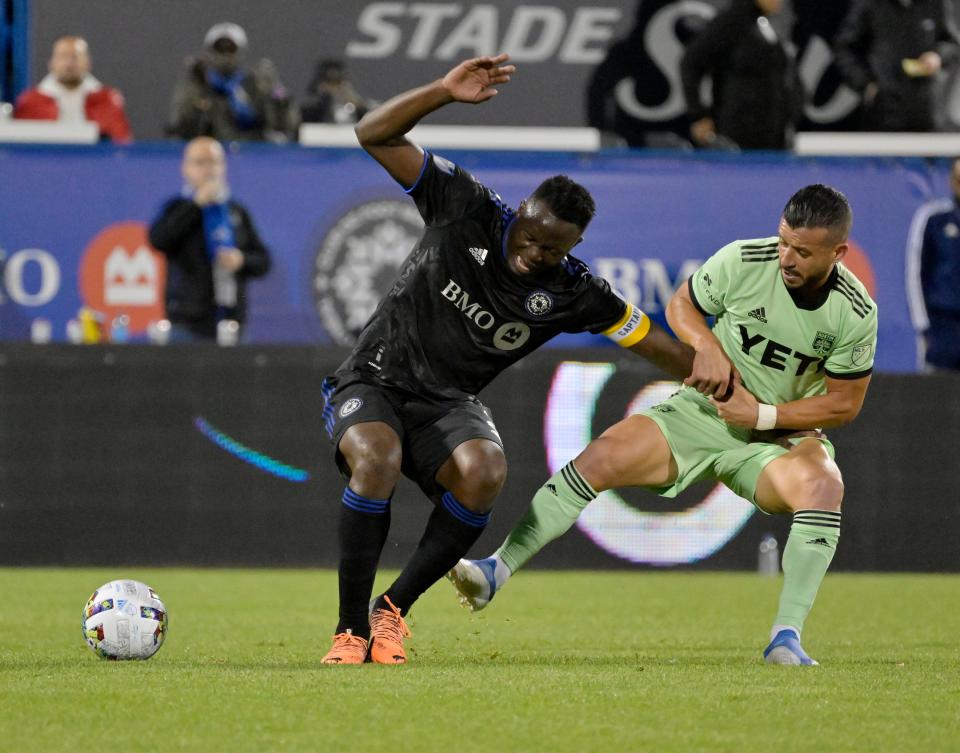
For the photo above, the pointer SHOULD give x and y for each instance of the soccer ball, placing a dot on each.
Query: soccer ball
(124, 619)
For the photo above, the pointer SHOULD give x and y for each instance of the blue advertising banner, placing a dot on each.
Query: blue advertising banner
(73, 228)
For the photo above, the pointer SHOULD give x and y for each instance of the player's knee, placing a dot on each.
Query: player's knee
(818, 489)
(375, 462)
(488, 479)
(602, 464)
(483, 477)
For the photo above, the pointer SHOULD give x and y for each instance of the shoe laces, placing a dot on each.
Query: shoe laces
(389, 623)
(350, 642)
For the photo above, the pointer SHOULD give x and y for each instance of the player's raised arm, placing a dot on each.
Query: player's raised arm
(382, 131)
(712, 370)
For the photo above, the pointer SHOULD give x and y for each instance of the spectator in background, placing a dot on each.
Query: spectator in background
(891, 52)
(630, 96)
(757, 95)
(830, 105)
(331, 97)
(69, 93)
(281, 116)
(211, 245)
(217, 98)
(933, 277)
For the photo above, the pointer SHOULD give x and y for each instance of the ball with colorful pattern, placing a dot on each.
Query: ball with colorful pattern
(124, 619)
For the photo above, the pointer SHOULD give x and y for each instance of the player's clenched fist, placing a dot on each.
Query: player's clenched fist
(741, 408)
(712, 371)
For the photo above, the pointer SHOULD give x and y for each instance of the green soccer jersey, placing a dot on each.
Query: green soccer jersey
(784, 350)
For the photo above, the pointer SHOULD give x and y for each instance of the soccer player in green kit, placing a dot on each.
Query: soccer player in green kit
(790, 353)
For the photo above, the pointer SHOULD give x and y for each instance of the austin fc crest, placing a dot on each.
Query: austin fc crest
(538, 303)
(823, 343)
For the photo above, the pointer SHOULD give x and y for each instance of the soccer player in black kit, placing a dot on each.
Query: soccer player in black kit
(484, 286)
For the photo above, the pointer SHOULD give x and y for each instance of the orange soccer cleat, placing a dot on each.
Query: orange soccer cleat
(387, 631)
(347, 648)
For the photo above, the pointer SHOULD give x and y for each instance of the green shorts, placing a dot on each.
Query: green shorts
(706, 447)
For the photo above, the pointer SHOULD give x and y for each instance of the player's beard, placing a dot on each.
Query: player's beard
(805, 284)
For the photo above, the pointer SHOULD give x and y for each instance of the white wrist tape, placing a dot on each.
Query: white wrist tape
(766, 417)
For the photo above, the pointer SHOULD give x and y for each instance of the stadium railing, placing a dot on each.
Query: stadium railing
(808, 143)
(468, 137)
(828, 143)
(47, 132)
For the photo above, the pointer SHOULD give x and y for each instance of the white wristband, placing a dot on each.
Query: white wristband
(766, 417)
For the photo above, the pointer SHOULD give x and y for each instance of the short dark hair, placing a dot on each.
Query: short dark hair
(819, 206)
(567, 199)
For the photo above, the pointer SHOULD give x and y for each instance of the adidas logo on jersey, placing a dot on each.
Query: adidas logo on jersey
(759, 314)
(480, 254)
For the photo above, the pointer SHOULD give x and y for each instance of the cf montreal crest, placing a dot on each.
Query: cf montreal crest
(538, 303)
(351, 406)
(357, 262)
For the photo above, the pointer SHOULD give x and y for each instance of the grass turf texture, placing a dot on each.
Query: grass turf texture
(568, 661)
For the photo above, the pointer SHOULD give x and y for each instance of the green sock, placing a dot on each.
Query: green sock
(554, 509)
(806, 557)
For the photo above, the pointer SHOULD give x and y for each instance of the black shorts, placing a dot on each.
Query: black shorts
(429, 431)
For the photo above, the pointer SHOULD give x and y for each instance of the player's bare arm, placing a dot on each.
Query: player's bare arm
(382, 131)
(839, 406)
(711, 372)
(668, 353)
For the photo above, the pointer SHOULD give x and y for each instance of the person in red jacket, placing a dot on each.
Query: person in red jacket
(70, 93)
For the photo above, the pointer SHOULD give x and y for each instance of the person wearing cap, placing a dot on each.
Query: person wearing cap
(217, 97)
(70, 93)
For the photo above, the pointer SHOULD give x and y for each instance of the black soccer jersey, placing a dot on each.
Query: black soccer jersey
(458, 315)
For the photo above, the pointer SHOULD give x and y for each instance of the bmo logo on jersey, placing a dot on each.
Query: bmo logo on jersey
(509, 336)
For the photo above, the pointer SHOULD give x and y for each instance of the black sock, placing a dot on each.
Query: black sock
(363, 531)
(451, 531)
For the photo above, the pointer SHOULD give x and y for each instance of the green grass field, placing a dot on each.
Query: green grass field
(570, 661)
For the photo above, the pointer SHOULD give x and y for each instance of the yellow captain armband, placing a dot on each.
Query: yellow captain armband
(631, 329)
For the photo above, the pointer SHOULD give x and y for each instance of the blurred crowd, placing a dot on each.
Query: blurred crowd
(741, 81)
(739, 76)
(217, 96)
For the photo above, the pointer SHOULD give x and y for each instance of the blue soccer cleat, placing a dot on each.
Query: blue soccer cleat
(475, 582)
(785, 648)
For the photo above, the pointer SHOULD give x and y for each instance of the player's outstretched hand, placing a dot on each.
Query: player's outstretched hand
(473, 81)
